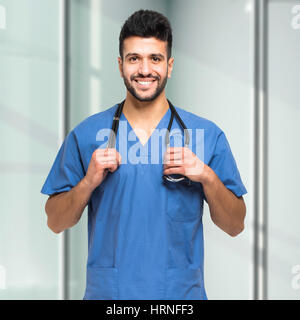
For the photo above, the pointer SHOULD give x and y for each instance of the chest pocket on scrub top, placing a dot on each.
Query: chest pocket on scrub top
(184, 201)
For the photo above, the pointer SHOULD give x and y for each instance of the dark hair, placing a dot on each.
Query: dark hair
(146, 24)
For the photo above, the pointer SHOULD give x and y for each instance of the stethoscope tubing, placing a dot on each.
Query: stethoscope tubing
(115, 126)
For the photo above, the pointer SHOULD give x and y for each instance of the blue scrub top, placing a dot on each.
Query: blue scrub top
(145, 234)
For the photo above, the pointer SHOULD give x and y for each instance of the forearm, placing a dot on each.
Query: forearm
(64, 210)
(226, 209)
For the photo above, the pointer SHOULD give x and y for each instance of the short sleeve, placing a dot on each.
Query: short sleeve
(67, 169)
(224, 165)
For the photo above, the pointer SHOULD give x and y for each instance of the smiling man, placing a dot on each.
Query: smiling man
(145, 65)
(142, 85)
(145, 233)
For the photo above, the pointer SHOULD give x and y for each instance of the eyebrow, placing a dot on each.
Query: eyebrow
(157, 55)
(151, 55)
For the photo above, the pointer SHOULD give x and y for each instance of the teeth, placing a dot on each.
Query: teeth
(144, 82)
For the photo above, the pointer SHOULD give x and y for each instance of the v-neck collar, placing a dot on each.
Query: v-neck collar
(160, 125)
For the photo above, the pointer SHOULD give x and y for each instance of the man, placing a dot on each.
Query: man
(145, 232)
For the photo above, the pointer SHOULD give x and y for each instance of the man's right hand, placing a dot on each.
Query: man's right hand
(102, 161)
(65, 209)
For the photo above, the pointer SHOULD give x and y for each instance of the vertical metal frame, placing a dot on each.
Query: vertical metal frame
(63, 252)
(260, 130)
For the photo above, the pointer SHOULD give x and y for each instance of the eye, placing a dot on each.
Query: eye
(133, 59)
(156, 59)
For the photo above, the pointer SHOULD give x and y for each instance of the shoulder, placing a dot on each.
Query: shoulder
(96, 121)
(194, 121)
(204, 132)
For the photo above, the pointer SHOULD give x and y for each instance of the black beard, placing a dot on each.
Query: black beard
(157, 92)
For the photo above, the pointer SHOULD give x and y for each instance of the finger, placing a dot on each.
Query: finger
(108, 154)
(109, 166)
(172, 157)
(172, 150)
(174, 170)
(114, 153)
(113, 168)
(176, 153)
(116, 159)
(119, 158)
(103, 159)
(175, 150)
(172, 165)
(105, 172)
(107, 151)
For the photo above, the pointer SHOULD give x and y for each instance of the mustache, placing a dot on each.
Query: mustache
(144, 77)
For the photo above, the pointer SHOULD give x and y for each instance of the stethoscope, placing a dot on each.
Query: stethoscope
(115, 126)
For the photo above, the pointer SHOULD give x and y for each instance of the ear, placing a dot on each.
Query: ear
(170, 67)
(120, 62)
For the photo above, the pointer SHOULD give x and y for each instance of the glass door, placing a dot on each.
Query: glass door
(283, 150)
(29, 131)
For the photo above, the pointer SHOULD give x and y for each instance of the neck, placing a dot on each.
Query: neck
(145, 111)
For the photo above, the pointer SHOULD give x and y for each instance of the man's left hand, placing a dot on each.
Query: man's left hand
(181, 160)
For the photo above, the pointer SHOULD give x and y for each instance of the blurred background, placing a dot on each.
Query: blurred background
(236, 63)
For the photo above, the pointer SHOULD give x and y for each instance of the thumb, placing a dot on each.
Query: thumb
(105, 172)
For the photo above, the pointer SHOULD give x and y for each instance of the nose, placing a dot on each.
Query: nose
(144, 67)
